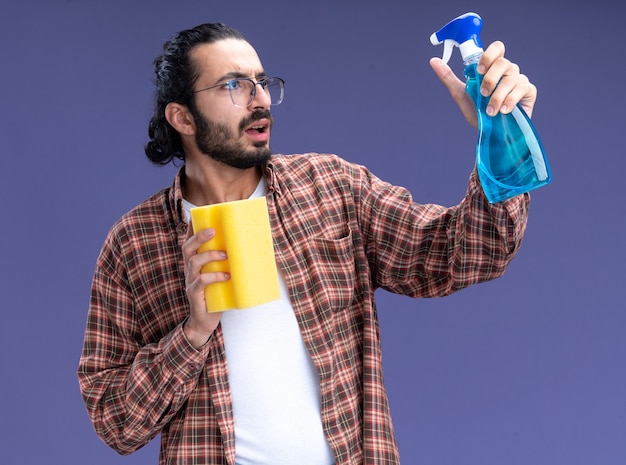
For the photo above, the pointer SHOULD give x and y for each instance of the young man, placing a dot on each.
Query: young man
(298, 380)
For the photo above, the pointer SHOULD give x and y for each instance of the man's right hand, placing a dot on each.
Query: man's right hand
(201, 324)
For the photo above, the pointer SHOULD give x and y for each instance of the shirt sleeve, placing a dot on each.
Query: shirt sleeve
(131, 389)
(424, 250)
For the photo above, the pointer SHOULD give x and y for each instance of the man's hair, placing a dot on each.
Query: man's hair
(176, 76)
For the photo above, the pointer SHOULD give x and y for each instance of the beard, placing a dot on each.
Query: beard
(218, 142)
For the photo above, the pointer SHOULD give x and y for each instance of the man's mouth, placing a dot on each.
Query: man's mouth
(259, 126)
(259, 130)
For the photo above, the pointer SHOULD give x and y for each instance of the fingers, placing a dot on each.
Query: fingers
(456, 87)
(194, 274)
(201, 324)
(503, 83)
(446, 76)
(195, 260)
(194, 241)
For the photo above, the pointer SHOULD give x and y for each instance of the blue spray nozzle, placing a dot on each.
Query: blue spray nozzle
(463, 32)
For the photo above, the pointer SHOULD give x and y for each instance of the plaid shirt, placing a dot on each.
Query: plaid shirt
(339, 234)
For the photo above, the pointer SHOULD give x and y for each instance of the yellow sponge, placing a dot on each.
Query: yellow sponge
(242, 229)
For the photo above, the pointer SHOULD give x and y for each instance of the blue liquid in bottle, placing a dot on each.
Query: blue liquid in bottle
(509, 155)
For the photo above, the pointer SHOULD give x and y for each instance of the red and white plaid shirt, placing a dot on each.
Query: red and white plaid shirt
(339, 234)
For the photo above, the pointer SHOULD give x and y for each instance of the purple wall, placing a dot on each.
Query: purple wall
(528, 369)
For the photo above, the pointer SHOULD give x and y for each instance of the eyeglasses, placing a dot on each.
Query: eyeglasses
(243, 90)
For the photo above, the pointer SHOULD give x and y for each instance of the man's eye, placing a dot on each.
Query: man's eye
(232, 85)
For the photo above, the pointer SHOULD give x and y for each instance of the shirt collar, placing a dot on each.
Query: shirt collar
(270, 174)
(176, 200)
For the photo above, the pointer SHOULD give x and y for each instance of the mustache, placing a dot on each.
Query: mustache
(256, 116)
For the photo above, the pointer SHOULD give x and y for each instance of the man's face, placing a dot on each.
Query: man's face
(238, 137)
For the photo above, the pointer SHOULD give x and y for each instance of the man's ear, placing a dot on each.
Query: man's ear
(180, 118)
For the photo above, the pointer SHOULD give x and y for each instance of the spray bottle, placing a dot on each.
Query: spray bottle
(510, 158)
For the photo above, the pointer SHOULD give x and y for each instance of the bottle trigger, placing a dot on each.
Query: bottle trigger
(448, 46)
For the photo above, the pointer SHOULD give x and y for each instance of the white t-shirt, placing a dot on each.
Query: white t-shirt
(274, 384)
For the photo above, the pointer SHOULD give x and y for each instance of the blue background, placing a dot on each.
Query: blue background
(528, 369)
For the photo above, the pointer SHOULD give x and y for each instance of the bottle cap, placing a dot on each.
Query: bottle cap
(462, 32)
